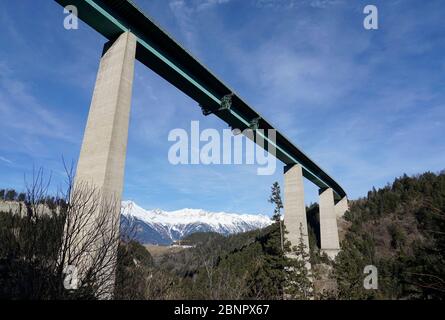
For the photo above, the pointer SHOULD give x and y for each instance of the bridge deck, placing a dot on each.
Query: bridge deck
(161, 53)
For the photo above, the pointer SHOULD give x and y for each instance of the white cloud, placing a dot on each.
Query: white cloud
(289, 4)
(5, 160)
(26, 122)
(205, 4)
(185, 12)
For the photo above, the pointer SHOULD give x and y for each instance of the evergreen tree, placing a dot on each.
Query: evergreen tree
(10, 195)
(400, 230)
(298, 272)
(21, 197)
(275, 198)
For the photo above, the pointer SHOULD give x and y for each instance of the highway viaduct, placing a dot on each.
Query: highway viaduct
(133, 35)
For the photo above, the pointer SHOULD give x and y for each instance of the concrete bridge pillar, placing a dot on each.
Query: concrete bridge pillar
(341, 207)
(294, 207)
(101, 164)
(328, 224)
(102, 156)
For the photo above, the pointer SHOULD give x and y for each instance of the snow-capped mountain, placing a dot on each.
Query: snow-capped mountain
(164, 227)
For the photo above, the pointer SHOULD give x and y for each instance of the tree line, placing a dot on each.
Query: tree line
(399, 229)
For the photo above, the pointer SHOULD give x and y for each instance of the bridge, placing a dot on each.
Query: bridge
(133, 35)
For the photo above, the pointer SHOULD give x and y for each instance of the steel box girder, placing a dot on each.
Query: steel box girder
(161, 53)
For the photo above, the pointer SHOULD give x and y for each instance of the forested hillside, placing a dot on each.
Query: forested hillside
(399, 229)
(248, 265)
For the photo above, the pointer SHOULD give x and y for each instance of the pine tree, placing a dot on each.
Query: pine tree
(298, 272)
(275, 198)
(10, 195)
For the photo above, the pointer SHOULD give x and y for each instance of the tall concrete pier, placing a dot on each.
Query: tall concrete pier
(295, 212)
(93, 224)
(104, 147)
(328, 224)
(341, 207)
(294, 207)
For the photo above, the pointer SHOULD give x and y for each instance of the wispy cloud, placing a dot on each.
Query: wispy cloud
(22, 111)
(196, 5)
(183, 13)
(345, 96)
(205, 4)
(186, 11)
(5, 160)
(289, 4)
(367, 106)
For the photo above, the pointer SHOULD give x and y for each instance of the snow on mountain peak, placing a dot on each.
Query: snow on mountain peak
(173, 225)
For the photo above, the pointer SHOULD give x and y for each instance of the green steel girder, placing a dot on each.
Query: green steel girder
(161, 53)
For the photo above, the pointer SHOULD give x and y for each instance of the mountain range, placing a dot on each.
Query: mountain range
(164, 227)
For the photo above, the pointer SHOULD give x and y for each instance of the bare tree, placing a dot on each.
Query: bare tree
(90, 238)
(76, 232)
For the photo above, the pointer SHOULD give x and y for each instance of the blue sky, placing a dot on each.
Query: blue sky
(366, 105)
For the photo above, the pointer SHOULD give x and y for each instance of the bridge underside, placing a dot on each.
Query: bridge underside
(158, 51)
(133, 36)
